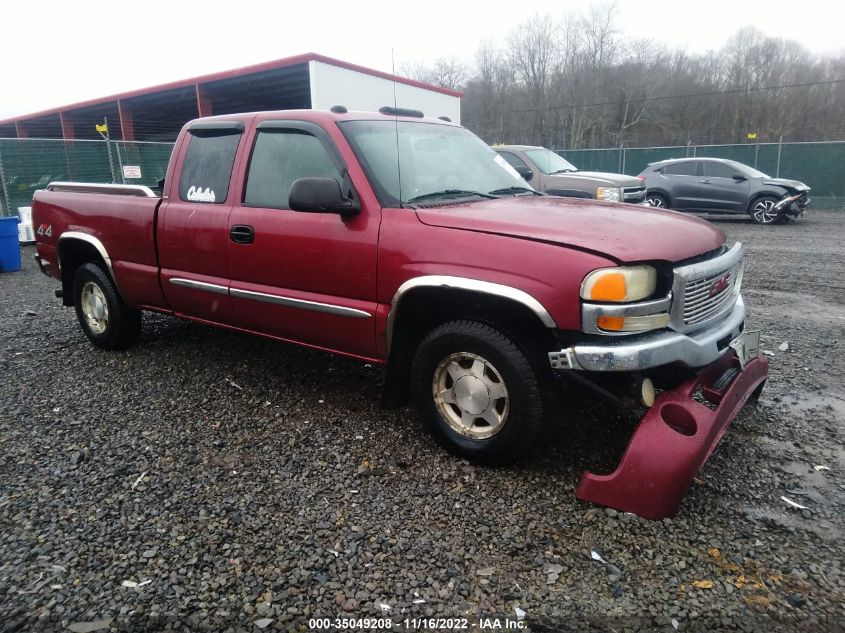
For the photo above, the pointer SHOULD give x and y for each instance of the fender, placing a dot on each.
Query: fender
(93, 241)
(465, 283)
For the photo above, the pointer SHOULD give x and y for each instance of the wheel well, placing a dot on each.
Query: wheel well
(423, 309)
(73, 254)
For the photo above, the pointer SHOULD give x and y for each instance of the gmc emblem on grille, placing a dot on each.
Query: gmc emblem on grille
(720, 284)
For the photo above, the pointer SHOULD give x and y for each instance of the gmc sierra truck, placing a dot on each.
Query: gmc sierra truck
(407, 241)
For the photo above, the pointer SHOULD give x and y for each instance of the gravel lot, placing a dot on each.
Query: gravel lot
(239, 481)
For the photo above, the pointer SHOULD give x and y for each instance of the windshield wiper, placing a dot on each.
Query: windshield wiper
(514, 190)
(450, 193)
(563, 171)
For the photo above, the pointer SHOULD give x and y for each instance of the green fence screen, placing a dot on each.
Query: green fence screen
(30, 164)
(27, 165)
(820, 165)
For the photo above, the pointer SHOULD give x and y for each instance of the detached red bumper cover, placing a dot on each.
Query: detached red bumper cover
(674, 440)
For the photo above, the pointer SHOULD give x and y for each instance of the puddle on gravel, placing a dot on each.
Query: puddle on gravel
(809, 403)
(823, 528)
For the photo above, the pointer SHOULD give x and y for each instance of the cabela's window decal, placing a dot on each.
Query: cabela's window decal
(198, 194)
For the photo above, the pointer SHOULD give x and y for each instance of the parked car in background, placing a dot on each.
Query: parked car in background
(553, 174)
(723, 186)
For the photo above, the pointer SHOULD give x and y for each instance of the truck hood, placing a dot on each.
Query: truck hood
(789, 184)
(616, 180)
(622, 232)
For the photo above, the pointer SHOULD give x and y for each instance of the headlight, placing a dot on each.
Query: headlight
(628, 283)
(610, 194)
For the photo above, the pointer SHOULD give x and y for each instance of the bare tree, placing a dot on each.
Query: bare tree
(576, 81)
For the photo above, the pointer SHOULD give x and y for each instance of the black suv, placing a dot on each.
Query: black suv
(716, 185)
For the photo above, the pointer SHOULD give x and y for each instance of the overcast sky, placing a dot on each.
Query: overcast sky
(57, 53)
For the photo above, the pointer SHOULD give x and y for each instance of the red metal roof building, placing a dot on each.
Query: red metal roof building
(305, 81)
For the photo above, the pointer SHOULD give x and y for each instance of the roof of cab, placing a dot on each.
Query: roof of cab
(316, 116)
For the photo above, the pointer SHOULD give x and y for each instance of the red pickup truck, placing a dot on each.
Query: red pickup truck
(406, 241)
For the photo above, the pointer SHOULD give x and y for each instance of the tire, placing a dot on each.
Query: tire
(470, 364)
(760, 210)
(657, 200)
(105, 319)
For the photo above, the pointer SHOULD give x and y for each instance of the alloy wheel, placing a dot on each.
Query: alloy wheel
(95, 308)
(763, 212)
(471, 395)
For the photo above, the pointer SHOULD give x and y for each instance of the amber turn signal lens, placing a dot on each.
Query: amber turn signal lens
(611, 323)
(609, 287)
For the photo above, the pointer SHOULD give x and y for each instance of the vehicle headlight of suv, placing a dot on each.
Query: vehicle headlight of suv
(609, 194)
(614, 301)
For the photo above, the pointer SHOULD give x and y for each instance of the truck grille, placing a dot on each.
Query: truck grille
(709, 296)
(633, 194)
(705, 290)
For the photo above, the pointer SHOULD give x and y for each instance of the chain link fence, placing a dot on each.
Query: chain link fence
(821, 166)
(27, 165)
(30, 164)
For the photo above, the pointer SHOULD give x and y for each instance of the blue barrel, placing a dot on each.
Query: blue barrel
(10, 250)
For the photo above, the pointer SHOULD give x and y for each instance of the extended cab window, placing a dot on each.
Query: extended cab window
(207, 167)
(281, 157)
(688, 168)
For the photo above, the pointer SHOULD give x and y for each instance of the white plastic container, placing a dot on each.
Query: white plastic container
(25, 233)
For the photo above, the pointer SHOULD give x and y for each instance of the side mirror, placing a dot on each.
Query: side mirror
(525, 172)
(320, 195)
(739, 177)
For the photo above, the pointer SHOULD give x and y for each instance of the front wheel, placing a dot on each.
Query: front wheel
(477, 392)
(762, 211)
(657, 201)
(105, 319)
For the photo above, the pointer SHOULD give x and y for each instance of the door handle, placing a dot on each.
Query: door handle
(242, 234)
(705, 182)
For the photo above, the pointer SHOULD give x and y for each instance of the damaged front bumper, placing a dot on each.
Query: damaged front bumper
(675, 438)
(792, 206)
(654, 349)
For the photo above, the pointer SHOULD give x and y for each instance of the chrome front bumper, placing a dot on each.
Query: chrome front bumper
(696, 349)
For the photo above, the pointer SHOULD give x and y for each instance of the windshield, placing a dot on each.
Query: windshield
(548, 162)
(745, 170)
(435, 161)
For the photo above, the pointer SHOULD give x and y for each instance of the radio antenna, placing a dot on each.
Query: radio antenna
(396, 127)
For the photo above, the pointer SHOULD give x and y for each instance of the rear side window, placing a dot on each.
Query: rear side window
(718, 170)
(207, 167)
(281, 157)
(687, 168)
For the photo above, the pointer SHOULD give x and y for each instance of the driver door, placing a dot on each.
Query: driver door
(304, 277)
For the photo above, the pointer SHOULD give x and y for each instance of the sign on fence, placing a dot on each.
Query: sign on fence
(132, 171)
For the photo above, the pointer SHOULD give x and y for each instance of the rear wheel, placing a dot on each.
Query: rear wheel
(762, 211)
(657, 201)
(105, 319)
(477, 392)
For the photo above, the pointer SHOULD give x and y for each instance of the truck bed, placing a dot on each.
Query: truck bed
(120, 217)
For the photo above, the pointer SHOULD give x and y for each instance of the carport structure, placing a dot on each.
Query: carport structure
(305, 81)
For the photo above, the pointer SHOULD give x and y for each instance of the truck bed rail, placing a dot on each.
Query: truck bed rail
(139, 191)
